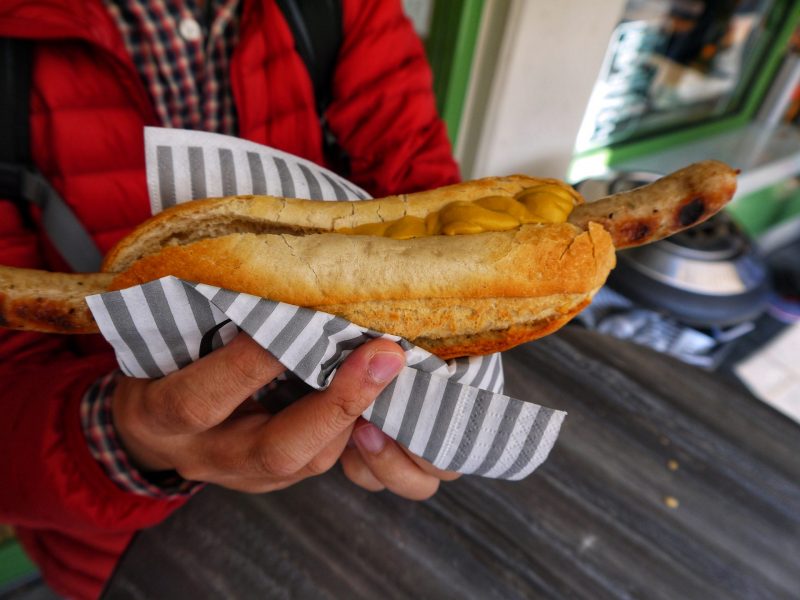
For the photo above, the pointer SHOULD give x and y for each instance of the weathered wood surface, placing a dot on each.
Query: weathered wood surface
(593, 522)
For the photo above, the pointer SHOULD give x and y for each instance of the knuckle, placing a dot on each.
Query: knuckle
(350, 405)
(321, 464)
(182, 410)
(274, 462)
(249, 369)
(189, 416)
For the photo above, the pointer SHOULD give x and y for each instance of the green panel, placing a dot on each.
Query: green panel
(758, 211)
(450, 47)
(784, 20)
(14, 564)
(617, 154)
(791, 207)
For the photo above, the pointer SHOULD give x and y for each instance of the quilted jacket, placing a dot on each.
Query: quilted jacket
(88, 110)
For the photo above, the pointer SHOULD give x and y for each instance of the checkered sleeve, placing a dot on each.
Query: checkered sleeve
(107, 449)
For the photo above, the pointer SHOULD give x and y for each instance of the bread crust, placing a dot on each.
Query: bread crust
(484, 292)
(330, 269)
(470, 327)
(192, 221)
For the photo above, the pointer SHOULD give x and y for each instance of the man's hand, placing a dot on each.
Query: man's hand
(200, 422)
(375, 462)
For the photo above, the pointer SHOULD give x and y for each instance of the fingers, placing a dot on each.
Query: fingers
(308, 436)
(292, 438)
(214, 463)
(197, 422)
(358, 472)
(390, 465)
(206, 392)
(156, 419)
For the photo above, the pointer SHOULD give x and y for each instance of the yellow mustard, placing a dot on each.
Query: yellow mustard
(545, 203)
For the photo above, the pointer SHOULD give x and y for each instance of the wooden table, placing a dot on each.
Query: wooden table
(666, 482)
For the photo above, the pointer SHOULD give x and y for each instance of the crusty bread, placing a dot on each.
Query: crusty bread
(453, 295)
(469, 294)
(214, 217)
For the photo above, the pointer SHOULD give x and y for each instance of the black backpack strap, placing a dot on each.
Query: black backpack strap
(317, 29)
(20, 181)
(16, 66)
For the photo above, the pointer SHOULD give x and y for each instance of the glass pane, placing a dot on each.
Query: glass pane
(671, 63)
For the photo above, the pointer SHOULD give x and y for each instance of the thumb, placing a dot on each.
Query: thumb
(306, 427)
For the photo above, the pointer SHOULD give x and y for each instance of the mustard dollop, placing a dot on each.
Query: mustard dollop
(545, 203)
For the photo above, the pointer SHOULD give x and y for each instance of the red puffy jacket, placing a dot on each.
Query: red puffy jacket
(88, 110)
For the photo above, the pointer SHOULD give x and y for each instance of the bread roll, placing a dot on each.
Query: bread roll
(454, 295)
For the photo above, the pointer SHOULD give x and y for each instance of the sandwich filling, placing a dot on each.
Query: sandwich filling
(546, 203)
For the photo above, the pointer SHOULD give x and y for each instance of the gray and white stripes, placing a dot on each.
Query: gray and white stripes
(449, 413)
(462, 428)
(185, 165)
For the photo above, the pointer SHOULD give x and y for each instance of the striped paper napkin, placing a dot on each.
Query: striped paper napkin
(452, 413)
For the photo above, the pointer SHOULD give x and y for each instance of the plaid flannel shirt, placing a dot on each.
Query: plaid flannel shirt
(182, 52)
